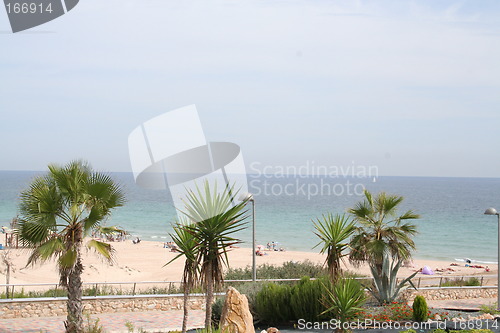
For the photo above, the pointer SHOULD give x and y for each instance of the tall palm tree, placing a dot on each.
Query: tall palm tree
(381, 230)
(334, 232)
(215, 217)
(57, 211)
(186, 247)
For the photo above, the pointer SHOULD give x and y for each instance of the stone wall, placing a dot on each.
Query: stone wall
(450, 293)
(57, 307)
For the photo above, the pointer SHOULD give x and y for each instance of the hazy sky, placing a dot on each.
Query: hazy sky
(412, 87)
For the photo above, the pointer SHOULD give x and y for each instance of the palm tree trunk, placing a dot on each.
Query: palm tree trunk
(7, 281)
(186, 310)
(209, 299)
(74, 321)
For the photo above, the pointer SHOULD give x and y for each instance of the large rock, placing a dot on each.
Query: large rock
(236, 316)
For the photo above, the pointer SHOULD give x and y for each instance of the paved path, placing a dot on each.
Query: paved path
(151, 321)
(461, 304)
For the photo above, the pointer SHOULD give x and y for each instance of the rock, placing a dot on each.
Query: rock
(488, 316)
(273, 330)
(236, 316)
(437, 317)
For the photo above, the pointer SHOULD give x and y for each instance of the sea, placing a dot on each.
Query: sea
(452, 224)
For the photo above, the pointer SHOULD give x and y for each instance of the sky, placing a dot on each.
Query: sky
(411, 87)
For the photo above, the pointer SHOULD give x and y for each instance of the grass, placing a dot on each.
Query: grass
(490, 308)
(470, 282)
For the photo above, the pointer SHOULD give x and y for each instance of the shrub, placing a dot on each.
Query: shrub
(289, 270)
(272, 303)
(306, 299)
(217, 310)
(420, 310)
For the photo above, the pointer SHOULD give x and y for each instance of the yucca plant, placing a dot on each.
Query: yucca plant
(186, 247)
(334, 232)
(57, 211)
(344, 300)
(387, 288)
(214, 217)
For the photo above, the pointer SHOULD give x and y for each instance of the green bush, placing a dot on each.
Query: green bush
(272, 304)
(420, 309)
(306, 299)
(289, 270)
(217, 310)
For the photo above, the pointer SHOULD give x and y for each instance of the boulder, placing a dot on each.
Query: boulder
(488, 316)
(236, 316)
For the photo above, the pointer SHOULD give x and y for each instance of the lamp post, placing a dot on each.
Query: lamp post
(493, 211)
(249, 197)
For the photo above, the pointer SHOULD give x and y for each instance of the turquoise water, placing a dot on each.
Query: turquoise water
(452, 224)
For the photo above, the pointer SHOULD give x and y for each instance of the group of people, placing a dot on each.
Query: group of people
(171, 246)
(273, 246)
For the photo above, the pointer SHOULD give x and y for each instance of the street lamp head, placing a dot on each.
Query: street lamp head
(491, 211)
(246, 197)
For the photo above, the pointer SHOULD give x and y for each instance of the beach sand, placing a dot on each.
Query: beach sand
(145, 262)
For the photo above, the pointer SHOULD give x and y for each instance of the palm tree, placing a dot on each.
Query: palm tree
(186, 247)
(334, 232)
(57, 211)
(214, 218)
(382, 231)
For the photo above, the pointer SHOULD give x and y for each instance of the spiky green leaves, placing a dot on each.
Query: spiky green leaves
(334, 231)
(345, 299)
(213, 218)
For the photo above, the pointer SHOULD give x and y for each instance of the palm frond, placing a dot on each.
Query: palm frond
(103, 249)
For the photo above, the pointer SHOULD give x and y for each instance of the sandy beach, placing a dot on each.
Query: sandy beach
(145, 262)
